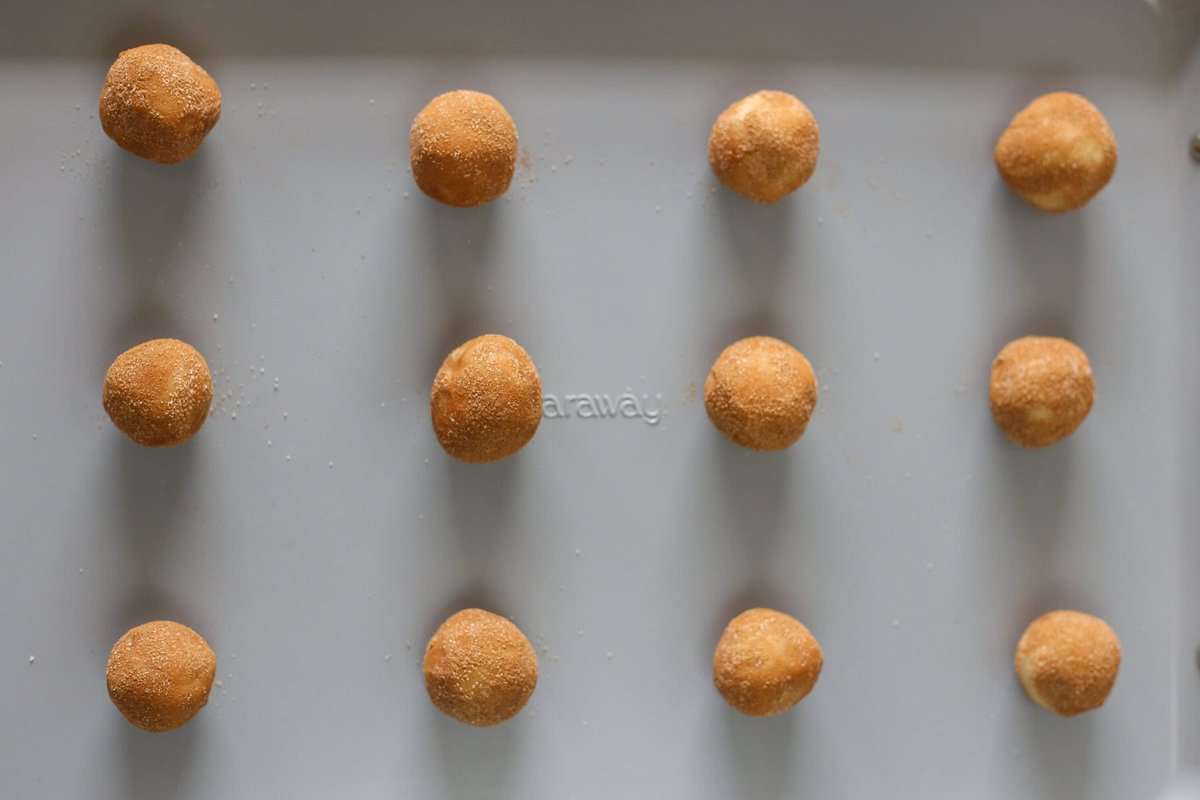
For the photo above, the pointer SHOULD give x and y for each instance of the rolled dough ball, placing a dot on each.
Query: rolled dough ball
(158, 104)
(479, 668)
(159, 392)
(1058, 152)
(766, 662)
(159, 675)
(486, 401)
(764, 146)
(760, 393)
(463, 148)
(1041, 390)
(1067, 661)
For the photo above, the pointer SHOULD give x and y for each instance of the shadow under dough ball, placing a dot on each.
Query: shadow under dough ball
(766, 662)
(158, 393)
(158, 104)
(1057, 153)
(760, 393)
(1067, 661)
(463, 148)
(764, 146)
(159, 675)
(486, 401)
(1041, 390)
(479, 668)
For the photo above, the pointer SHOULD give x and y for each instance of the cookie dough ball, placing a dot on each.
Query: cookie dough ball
(1068, 661)
(158, 104)
(1058, 152)
(158, 392)
(479, 668)
(1041, 390)
(463, 147)
(487, 400)
(764, 146)
(160, 674)
(761, 393)
(766, 662)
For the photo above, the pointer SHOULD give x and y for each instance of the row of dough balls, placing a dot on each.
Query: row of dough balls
(486, 400)
(1057, 153)
(481, 670)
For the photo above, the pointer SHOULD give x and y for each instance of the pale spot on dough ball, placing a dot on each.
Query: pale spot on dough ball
(1089, 151)
(1040, 414)
(1050, 201)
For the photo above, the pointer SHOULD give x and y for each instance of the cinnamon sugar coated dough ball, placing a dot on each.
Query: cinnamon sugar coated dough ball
(479, 668)
(1058, 152)
(761, 393)
(158, 104)
(463, 147)
(1041, 390)
(158, 393)
(764, 146)
(766, 662)
(1067, 661)
(486, 401)
(160, 674)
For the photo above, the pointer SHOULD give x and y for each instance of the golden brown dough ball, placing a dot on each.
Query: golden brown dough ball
(158, 104)
(764, 146)
(766, 662)
(1041, 389)
(486, 401)
(479, 668)
(1068, 661)
(159, 675)
(1058, 152)
(463, 147)
(158, 393)
(761, 393)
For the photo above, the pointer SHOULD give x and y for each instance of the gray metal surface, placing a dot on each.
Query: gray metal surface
(319, 537)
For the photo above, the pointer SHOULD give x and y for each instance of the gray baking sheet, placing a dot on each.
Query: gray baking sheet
(315, 533)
